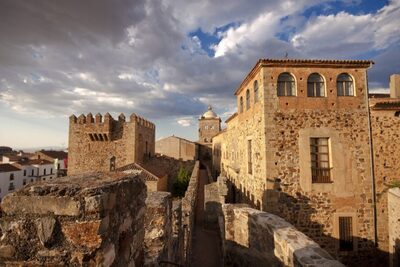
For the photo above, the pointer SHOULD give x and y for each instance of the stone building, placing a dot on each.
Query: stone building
(299, 147)
(177, 148)
(104, 144)
(394, 229)
(209, 126)
(385, 129)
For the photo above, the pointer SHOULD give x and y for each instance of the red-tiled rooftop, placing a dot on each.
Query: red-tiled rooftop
(55, 154)
(148, 176)
(6, 167)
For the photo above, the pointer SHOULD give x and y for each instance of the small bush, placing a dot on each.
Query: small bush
(181, 182)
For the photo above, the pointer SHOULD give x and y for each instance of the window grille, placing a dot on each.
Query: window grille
(346, 233)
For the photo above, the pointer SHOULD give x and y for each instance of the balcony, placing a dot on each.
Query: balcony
(321, 175)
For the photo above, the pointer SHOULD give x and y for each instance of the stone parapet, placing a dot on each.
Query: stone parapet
(214, 197)
(188, 212)
(158, 229)
(95, 219)
(255, 238)
(394, 226)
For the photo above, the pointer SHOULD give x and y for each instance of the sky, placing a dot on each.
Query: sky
(167, 60)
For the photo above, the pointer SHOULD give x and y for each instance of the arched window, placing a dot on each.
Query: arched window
(345, 85)
(286, 85)
(315, 85)
(247, 99)
(255, 86)
(241, 104)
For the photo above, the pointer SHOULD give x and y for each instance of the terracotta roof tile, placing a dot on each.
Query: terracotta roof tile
(148, 176)
(6, 167)
(55, 154)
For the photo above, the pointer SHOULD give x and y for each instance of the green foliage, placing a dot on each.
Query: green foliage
(181, 182)
(392, 184)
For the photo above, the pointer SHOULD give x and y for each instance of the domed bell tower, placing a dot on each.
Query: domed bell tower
(209, 126)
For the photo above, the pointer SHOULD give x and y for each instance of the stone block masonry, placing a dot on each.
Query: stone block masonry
(394, 230)
(104, 144)
(256, 238)
(158, 229)
(188, 209)
(95, 219)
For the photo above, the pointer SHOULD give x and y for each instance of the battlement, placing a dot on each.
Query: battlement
(99, 120)
(106, 128)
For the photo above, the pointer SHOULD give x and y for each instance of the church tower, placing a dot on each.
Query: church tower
(209, 126)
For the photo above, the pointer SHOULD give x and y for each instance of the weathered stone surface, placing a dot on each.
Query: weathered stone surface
(265, 153)
(89, 238)
(45, 229)
(394, 226)
(83, 233)
(7, 251)
(40, 205)
(158, 228)
(256, 238)
(93, 144)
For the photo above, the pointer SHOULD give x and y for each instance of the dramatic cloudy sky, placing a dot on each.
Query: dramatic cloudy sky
(166, 60)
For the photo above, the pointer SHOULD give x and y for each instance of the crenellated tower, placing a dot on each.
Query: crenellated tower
(102, 143)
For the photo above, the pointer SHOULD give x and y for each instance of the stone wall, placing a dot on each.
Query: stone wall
(394, 226)
(177, 148)
(95, 219)
(255, 238)
(188, 212)
(214, 197)
(158, 229)
(94, 143)
(385, 133)
(275, 175)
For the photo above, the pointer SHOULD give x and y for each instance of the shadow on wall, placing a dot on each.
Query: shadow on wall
(297, 210)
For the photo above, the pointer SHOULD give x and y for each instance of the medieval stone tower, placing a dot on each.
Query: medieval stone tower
(104, 144)
(209, 126)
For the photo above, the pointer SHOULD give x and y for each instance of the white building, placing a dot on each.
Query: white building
(10, 179)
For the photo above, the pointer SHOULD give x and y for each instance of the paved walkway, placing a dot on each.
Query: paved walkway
(206, 243)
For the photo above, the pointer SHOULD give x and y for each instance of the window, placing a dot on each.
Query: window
(241, 104)
(12, 177)
(346, 233)
(51, 170)
(206, 127)
(320, 169)
(255, 86)
(44, 171)
(58, 166)
(24, 182)
(32, 173)
(345, 85)
(286, 85)
(247, 99)
(24, 172)
(11, 187)
(112, 164)
(249, 158)
(315, 85)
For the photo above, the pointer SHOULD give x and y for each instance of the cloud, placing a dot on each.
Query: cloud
(59, 58)
(348, 35)
(185, 122)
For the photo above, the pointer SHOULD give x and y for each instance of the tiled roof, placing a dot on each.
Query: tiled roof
(387, 105)
(55, 154)
(6, 167)
(34, 162)
(148, 176)
(317, 61)
(306, 63)
(12, 157)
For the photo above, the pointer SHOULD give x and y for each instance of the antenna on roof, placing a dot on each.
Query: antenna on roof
(286, 54)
